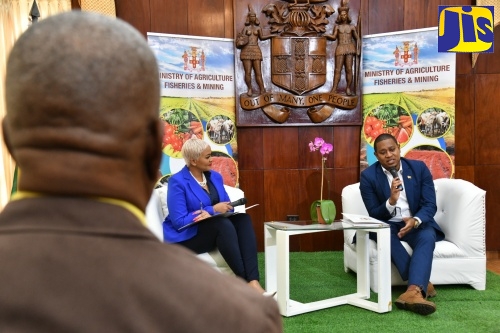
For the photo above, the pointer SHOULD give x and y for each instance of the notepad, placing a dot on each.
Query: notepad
(360, 219)
(226, 214)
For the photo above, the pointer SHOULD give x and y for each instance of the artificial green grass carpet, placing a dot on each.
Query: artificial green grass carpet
(319, 275)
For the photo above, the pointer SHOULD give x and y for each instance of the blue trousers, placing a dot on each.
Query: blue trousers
(234, 237)
(416, 269)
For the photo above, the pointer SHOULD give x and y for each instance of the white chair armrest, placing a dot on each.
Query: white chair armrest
(235, 194)
(154, 215)
(352, 203)
(462, 214)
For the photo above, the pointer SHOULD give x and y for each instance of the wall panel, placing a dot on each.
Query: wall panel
(280, 193)
(228, 19)
(162, 19)
(280, 147)
(464, 120)
(137, 13)
(206, 18)
(487, 120)
(250, 148)
(385, 16)
(347, 140)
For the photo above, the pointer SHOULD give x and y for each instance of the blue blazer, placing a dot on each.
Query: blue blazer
(184, 197)
(419, 187)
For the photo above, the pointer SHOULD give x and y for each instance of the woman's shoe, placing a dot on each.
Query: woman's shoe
(269, 293)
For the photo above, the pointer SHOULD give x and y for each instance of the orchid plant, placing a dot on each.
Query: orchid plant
(324, 148)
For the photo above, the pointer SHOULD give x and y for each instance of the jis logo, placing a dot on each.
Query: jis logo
(465, 29)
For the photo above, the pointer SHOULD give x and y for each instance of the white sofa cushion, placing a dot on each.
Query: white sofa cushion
(157, 211)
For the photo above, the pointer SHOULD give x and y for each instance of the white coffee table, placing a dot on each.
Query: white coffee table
(277, 266)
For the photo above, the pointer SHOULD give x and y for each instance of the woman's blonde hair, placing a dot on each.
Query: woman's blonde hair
(192, 149)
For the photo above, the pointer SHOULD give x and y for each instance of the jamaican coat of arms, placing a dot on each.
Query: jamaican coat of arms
(285, 62)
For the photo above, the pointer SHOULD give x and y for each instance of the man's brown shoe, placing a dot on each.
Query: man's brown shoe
(413, 300)
(431, 291)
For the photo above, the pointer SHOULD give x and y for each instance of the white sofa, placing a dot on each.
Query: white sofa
(460, 258)
(157, 210)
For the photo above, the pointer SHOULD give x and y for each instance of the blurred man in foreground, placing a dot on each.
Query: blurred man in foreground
(82, 94)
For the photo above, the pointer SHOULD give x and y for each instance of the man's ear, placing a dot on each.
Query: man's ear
(153, 149)
(6, 139)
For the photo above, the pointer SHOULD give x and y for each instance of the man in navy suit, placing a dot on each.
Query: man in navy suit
(407, 201)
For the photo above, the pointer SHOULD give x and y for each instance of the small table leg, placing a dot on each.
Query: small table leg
(271, 259)
(384, 270)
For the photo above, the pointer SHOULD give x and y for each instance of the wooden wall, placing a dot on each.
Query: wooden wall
(276, 168)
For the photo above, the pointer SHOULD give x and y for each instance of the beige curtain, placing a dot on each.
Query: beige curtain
(105, 7)
(14, 19)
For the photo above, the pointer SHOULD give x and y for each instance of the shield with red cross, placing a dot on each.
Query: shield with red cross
(298, 64)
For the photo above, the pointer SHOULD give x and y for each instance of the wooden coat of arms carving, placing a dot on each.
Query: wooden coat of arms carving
(301, 66)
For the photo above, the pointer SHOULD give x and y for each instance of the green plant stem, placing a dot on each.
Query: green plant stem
(322, 173)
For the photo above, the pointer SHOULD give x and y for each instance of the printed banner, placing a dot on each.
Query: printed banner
(409, 92)
(197, 98)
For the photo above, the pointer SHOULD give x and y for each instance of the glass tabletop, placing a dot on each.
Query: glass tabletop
(336, 225)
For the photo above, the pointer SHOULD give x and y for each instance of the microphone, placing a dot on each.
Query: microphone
(394, 174)
(238, 202)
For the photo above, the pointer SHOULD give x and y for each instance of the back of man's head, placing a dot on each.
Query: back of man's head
(82, 95)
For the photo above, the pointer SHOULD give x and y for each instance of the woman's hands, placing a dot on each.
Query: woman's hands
(202, 214)
(222, 207)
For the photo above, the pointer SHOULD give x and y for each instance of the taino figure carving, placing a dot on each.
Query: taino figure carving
(348, 46)
(251, 55)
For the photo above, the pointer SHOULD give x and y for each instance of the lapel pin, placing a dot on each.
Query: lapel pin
(409, 177)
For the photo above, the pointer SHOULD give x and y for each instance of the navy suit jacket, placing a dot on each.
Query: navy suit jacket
(185, 196)
(418, 185)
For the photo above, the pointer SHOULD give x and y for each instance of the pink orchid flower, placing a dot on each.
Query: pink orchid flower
(326, 148)
(318, 142)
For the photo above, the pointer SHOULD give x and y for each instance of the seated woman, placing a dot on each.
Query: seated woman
(196, 193)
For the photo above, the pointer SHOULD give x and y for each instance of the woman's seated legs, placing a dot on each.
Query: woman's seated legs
(220, 233)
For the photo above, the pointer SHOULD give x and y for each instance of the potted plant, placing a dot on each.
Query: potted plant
(322, 211)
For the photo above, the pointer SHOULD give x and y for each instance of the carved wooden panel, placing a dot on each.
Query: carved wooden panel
(298, 62)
